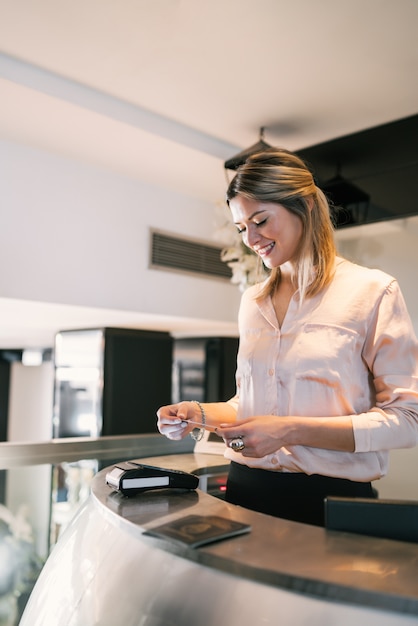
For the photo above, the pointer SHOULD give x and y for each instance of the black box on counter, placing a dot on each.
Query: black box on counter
(390, 519)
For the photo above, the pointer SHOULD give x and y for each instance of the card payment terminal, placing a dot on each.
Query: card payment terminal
(131, 478)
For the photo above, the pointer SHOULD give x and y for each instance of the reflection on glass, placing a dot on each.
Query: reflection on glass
(20, 564)
(38, 504)
(70, 488)
(39, 500)
(78, 384)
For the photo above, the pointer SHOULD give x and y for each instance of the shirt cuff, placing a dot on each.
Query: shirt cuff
(365, 426)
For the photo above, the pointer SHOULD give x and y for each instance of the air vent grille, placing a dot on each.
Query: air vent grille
(187, 255)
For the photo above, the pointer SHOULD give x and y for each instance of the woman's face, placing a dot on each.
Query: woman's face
(270, 230)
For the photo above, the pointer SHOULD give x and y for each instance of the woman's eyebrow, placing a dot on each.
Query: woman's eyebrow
(253, 215)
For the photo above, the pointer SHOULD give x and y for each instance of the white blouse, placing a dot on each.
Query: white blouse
(350, 350)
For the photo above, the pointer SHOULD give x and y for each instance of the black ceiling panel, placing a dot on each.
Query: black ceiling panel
(381, 163)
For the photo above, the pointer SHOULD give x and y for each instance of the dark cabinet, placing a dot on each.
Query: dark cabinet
(204, 368)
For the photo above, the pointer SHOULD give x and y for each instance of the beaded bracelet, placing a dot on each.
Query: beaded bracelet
(197, 436)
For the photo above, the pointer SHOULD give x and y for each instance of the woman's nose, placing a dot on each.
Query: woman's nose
(251, 236)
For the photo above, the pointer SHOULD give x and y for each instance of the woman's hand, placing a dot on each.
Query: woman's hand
(265, 434)
(171, 419)
(262, 435)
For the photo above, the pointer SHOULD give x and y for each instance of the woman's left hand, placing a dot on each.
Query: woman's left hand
(261, 435)
(265, 434)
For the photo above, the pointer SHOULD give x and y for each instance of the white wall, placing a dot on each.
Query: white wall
(76, 234)
(390, 246)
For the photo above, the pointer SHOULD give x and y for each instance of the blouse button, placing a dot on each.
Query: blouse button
(274, 461)
(271, 372)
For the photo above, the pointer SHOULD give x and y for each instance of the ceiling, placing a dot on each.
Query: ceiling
(165, 91)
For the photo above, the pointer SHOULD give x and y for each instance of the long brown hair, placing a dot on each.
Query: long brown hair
(281, 177)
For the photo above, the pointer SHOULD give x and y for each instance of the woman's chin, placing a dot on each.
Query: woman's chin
(269, 263)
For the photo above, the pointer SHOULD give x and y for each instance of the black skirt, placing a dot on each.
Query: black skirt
(296, 497)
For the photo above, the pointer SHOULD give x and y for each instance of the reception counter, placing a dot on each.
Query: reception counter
(105, 571)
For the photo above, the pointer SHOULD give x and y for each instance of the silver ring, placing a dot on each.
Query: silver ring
(237, 444)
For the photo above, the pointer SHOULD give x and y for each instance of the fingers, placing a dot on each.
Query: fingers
(171, 420)
(235, 435)
(173, 431)
(168, 411)
(230, 431)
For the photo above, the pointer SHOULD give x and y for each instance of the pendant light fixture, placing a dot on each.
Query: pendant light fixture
(234, 162)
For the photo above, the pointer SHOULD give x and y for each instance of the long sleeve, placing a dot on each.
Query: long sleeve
(391, 354)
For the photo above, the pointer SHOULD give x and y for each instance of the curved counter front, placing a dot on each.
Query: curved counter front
(105, 571)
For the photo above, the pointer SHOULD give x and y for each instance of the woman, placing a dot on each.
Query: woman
(327, 376)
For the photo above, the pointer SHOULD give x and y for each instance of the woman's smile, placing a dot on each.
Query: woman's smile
(264, 250)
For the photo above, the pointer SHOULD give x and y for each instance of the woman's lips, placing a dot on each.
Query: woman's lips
(265, 250)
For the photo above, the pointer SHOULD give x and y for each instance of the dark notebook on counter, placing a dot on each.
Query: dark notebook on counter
(199, 530)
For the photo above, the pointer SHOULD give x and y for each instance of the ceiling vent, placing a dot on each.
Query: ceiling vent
(169, 252)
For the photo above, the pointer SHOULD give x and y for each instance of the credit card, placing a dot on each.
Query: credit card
(209, 427)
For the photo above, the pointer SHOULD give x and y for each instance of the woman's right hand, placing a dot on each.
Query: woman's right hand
(172, 419)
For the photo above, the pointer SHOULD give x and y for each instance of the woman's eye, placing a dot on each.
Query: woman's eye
(256, 224)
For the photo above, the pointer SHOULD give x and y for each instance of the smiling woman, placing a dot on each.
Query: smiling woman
(327, 365)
